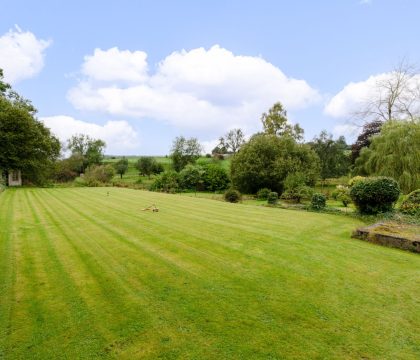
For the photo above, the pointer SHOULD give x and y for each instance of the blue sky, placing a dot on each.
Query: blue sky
(198, 68)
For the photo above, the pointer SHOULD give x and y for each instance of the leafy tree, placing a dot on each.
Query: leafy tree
(97, 175)
(296, 188)
(148, 165)
(394, 153)
(185, 151)
(191, 177)
(168, 181)
(121, 166)
(215, 177)
(91, 150)
(266, 160)
(275, 123)
(364, 139)
(232, 141)
(332, 154)
(25, 143)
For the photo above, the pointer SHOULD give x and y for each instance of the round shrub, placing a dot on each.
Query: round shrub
(411, 205)
(318, 201)
(375, 195)
(263, 193)
(272, 198)
(232, 195)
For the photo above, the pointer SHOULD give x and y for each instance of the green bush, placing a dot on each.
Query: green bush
(98, 175)
(232, 195)
(342, 193)
(215, 177)
(263, 193)
(168, 181)
(411, 205)
(375, 195)
(355, 179)
(273, 198)
(296, 187)
(318, 201)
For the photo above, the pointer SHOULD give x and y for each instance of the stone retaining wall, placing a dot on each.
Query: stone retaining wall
(376, 236)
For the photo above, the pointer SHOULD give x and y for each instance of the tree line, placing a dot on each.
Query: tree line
(276, 158)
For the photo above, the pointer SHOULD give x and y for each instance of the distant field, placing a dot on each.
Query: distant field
(85, 273)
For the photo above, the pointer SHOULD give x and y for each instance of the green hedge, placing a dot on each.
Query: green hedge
(375, 195)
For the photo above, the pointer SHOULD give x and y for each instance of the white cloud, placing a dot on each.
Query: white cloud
(21, 55)
(197, 89)
(349, 131)
(354, 96)
(120, 137)
(116, 65)
(365, 2)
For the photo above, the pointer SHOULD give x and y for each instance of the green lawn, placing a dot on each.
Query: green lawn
(84, 274)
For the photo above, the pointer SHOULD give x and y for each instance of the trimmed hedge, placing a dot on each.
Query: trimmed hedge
(375, 195)
(411, 205)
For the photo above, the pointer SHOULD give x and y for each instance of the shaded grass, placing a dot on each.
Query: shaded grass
(87, 275)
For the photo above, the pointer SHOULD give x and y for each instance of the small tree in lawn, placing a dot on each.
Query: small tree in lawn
(121, 166)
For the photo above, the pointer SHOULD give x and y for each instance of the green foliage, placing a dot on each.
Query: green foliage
(97, 175)
(148, 165)
(355, 179)
(343, 195)
(266, 160)
(184, 151)
(191, 177)
(167, 181)
(215, 177)
(318, 201)
(232, 195)
(64, 171)
(121, 166)
(263, 193)
(411, 205)
(333, 155)
(296, 188)
(25, 143)
(395, 153)
(375, 195)
(272, 198)
(275, 123)
(90, 150)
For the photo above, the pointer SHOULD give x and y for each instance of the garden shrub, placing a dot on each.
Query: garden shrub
(355, 179)
(263, 193)
(375, 195)
(232, 195)
(168, 181)
(97, 175)
(296, 188)
(215, 177)
(411, 205)
(318, 201)
(342, 193)
(273, 198)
